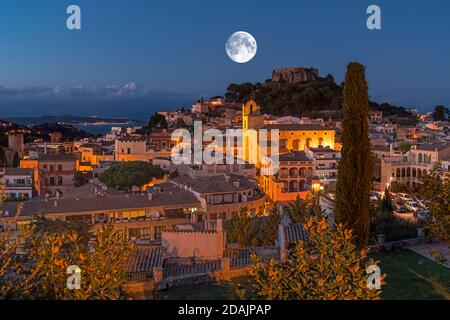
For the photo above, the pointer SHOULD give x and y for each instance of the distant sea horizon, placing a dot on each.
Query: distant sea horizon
(102, 128)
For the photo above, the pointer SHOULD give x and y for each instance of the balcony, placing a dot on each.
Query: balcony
(326, 168)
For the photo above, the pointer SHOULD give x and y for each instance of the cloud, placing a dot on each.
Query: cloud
(128, 91)
(129, 100)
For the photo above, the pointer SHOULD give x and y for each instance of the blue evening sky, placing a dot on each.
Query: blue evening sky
(179, 46)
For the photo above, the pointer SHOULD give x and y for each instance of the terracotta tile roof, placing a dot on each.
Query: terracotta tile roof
(215, 184)
(294, 233)
(294, 156)
(170, 196)
(17, 171)
(144, 259)
(295, 127)
(56, 157)
(433, 146)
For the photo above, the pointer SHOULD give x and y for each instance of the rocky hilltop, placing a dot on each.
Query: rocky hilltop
(295, 75)
(299, 92)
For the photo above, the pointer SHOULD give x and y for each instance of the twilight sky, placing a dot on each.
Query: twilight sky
(175, 51)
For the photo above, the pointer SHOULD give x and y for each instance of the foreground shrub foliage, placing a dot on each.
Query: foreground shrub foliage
(435, 188)
(328, 267)
(35, 266)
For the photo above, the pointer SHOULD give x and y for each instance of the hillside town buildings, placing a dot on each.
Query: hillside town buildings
(180, 218)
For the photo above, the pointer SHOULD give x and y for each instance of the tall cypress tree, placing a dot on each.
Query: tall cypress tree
(355, 172)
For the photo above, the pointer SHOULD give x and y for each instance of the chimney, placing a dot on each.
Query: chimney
(391, 149)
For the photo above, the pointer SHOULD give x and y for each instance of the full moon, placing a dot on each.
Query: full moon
(241, 47)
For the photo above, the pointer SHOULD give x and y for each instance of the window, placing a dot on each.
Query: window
(420, 157)
(52, 181)
(60, 181)
(175, 213)
(59, 167)
(129, 150)
(140, 233)
(158, 231)
(52, 167)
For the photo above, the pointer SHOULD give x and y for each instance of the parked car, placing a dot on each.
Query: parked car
(413, 206)
(377, 194)
(399, 207)
(419, 201)
(373, 198)
(405, 197)
(423, 214)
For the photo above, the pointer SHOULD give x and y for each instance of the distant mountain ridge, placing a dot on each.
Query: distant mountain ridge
(71, 120)
(41, 131)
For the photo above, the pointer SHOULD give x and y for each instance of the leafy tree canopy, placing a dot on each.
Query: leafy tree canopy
(440, 113)
(314, 98)
(125, 175)
(156, 121)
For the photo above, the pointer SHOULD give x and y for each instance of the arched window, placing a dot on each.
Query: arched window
(283, 172)
(301, 185)
(420, 159)
(414, 172)
(408, 172)
(403, 172)
(293, 186)
(293, 172)
(302, 172)
(398, 172)
(308, 142)
(320, 142)
(419, 173)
